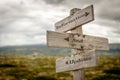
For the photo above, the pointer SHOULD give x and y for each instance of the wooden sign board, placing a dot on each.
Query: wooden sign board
(89, 59)
(79, 18)
(76, 41)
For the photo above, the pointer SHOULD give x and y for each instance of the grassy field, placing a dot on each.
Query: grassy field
(24, 67)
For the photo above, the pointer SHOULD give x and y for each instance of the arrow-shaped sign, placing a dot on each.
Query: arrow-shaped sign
(88, 59)
(79, 18)
(69, 40)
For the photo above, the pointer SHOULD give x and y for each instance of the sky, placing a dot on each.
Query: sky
(25, 22)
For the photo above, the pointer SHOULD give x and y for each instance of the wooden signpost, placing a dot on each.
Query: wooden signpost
(79, 18)
(75, 62)
(77, 41)
(83, 46)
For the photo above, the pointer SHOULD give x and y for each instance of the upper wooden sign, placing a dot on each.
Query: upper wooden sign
(71, 40)
(79, 18)
(88, 59)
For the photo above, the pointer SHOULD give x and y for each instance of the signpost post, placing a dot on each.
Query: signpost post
(83, 46)
(78, 74)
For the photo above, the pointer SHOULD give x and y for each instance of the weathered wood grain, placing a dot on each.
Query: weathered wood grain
(79, 18)
(76, 41)
(88, 59)
(78, 74)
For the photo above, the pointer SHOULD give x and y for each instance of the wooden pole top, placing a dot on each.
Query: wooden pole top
(74, 10)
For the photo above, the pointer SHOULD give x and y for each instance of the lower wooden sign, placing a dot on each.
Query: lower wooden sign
(89, 59)
(69, 40)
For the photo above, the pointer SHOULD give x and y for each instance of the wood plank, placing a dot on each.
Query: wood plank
(79, 18)
(89, 59)
(78, 74)
(76, 41)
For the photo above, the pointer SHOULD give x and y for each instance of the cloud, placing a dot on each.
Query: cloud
(20, 39)
(109, 10)
(54, 2)
(26, 22)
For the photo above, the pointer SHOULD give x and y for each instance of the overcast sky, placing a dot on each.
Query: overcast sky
(26, 21)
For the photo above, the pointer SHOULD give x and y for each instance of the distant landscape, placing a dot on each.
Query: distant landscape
(43, 49)
(37, 62)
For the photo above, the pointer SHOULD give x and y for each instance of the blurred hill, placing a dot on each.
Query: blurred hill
(34, 49)
(114, 49)
(43, 49)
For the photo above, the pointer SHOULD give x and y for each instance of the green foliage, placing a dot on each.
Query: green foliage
(107, 77)
(19, 73)
(39, 67)
(43, 78)
(108, 69)
(115, 70)
(7, 65)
